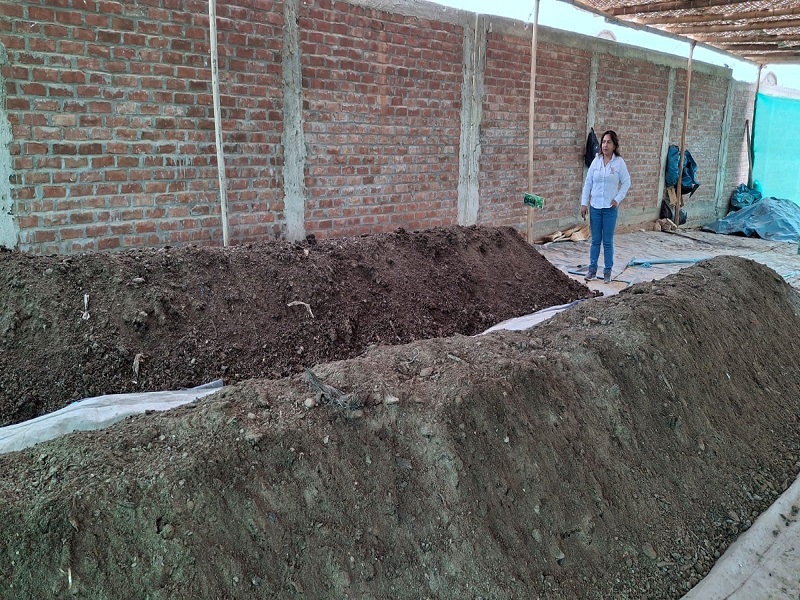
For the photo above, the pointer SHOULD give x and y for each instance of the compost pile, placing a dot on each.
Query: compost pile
(146, 320)
(613, 452)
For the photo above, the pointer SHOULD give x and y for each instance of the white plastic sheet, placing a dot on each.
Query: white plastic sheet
(763, 562)
(527, 321)
(96, 413)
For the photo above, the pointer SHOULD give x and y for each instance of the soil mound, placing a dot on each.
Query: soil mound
(613, 452)
(149, 320)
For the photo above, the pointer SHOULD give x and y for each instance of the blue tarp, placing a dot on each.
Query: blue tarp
(689, 183)
(770, 219)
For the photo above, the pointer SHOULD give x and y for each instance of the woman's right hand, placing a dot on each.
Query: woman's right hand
(584, 210)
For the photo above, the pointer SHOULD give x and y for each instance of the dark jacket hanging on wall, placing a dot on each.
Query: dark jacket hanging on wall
(592, 148)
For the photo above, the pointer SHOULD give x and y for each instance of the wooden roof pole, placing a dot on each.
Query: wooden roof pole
(751, 26)
(531, 114)
(712, 17)
(223, 192)
(752, 137)
(649, 6)
(678, 186)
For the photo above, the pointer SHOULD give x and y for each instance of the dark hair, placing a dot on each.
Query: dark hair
(614, 140)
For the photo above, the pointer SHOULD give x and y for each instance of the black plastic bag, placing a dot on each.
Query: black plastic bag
(667, 212)
(689, 183)
(743, 196)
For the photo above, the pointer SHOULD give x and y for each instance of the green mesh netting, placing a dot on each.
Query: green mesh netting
(776, 147)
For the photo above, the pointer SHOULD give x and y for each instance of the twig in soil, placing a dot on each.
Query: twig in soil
(394, 331)
(327, 394)
(85, 315)
(137, 364)
(298, 303)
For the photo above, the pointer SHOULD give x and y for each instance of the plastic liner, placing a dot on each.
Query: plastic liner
(95, 413)
(774, 219)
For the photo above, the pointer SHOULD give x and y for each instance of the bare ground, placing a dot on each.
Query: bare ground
(613, 452)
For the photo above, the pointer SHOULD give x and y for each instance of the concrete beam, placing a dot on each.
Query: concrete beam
(293, 138)
(471, 115)
(721, 195)
(662, 176)
(9, 227)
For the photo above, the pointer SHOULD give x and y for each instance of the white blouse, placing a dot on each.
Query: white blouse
(606, 182)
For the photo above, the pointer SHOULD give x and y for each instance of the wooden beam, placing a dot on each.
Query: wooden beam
(752, 148)
(721, 193)
(754, 26)
(749, 154)
(651, 7)
(773, 59)
(532, 114)
(746, 38)
(584, 5)
(726, 16)
(754, 47)
(679, 185)
(223, 186)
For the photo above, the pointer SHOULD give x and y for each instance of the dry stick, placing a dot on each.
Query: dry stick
(223, 187)
(531, 114)
(679, 186)
(329, 394)
(299, 303)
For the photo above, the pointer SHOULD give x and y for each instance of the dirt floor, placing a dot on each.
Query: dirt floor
(613, 452)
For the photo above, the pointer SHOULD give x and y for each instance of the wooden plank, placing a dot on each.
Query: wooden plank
(749, 154)
(678, 186)
(532, 112)
(751, 150)
(223, 191)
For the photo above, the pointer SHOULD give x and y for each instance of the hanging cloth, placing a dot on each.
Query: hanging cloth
(592, 148)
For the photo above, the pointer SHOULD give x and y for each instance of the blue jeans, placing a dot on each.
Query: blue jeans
(602, 221)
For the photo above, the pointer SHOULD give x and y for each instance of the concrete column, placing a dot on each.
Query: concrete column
(665, 140)
(721, 194)
(9, 228)
(591, 110)
(293, 138)
(471, 114)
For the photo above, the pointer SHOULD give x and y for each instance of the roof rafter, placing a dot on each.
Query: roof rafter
(725, 26)
(755, 26)
(712, 17)
(719, 39)
(760, 47)
(648, 7)
(772, 58)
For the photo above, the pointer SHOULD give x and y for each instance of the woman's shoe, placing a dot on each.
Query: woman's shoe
(590, 274)
(606, 276)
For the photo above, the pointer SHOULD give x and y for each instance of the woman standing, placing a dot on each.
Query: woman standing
(607, 183)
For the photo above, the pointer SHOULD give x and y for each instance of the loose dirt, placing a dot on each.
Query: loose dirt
(147, 320)
(613, 452)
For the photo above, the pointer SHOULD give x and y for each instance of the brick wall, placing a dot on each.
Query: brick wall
(703, 135)
(562, 88)
(504, 131)
(382, 96)
(736, 170)
(111, 118)
(631, 100)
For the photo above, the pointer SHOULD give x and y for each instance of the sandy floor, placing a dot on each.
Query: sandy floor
(649, 255)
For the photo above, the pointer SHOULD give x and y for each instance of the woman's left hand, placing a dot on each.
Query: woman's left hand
(614, 204)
